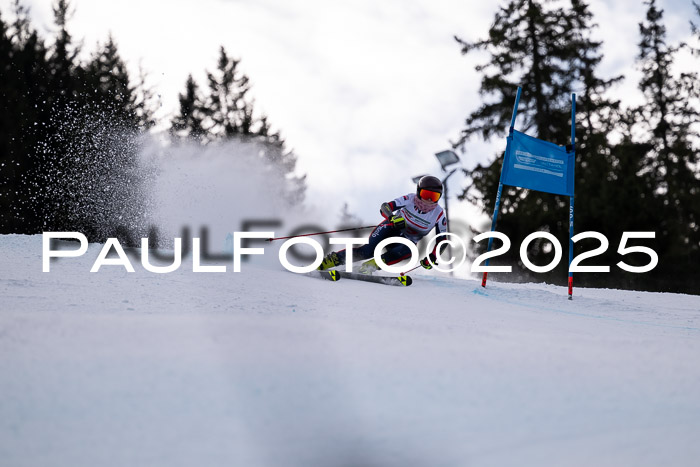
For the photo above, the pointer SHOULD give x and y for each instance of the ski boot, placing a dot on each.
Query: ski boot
(330, 261)
(368, 267)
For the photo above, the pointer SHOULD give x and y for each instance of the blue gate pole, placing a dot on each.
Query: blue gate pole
(571, 245)
(571, 198)
(497, 206)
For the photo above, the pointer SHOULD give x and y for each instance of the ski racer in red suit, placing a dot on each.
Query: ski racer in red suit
(412, 216)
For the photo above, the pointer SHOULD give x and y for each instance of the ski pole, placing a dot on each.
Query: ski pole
(321, 233)
(404, 273)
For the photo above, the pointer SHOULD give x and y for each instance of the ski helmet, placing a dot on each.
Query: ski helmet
(430, 184)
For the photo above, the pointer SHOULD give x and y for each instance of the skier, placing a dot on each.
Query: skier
(412, 216)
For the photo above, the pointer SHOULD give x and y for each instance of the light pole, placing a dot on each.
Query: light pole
(447, 211)
(446, 159)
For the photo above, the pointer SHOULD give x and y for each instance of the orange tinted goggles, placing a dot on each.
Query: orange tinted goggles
(428, 195)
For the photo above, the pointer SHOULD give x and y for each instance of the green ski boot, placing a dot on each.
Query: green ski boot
(330, 261)
(368, 267)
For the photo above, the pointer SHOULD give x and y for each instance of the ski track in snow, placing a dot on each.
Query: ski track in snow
(268, 368)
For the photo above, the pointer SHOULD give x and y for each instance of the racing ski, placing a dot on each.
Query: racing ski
(401, 281)
(333, 275)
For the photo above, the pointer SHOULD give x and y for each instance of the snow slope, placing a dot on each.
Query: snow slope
(268, 368)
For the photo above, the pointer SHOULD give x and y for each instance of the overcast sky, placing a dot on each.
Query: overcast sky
(364, 91)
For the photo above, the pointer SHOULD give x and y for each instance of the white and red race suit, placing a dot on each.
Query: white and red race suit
(420, 216)
(419, 222)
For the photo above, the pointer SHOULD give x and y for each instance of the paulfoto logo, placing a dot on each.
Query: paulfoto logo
(448, 243)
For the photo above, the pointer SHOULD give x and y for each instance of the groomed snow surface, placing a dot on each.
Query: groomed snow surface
(269, 368)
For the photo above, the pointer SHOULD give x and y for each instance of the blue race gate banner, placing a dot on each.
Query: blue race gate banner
(538, 165)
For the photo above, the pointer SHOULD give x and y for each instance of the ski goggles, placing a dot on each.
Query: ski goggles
(428, 195)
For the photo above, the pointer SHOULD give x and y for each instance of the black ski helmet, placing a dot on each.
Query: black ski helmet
(429, 182)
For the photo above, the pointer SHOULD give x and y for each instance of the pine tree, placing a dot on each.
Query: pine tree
(525, 46)
(549, 52)
(189, 121)
(695, 29)
(8, 145)
(109, 78)
(226, 103)
(611, 196)
(87, 175)
(72, 132)
(225, 112)
(667, 120)
(145, 101)
(24, 117)
(62, 59)
(596, 113)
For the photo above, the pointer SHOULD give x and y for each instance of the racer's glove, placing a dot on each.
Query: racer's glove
(425, 262)
(386, 211)
(398, 222)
